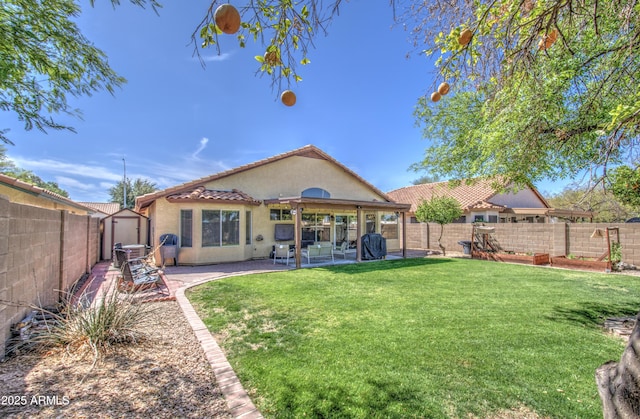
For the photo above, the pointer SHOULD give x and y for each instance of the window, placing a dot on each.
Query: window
(220, 228)
(186, 228)
(247, 227)
(315, 193)
(478, 219)
(370, 223)
(389, 225)
(316, 227)
(277, 214)
(493, 218)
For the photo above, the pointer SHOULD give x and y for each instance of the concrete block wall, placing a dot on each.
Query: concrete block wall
(557, 239)
(42, 252)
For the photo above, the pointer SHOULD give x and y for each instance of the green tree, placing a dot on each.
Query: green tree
(44, 59)
(625, 185)
(8, 168)
(441, 210)
(138, 188)
(525, 109)
(607, 208)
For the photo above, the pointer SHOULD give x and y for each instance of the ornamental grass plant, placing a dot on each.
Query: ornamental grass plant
(80, 325)
(435, 338)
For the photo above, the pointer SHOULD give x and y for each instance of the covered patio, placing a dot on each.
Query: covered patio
(298, 205)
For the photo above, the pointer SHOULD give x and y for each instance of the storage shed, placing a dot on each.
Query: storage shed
(125, 226)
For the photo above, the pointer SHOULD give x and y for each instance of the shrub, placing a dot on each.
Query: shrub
(80, 326)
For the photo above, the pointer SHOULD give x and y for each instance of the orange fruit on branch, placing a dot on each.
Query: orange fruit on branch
(465, 37)
(443, 89)
(288, 98)
(227, 19)
(435, 96)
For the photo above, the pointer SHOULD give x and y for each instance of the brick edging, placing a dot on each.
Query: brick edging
(238, 400)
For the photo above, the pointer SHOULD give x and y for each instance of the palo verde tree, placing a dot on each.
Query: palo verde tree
(442, 210)
(45, 59)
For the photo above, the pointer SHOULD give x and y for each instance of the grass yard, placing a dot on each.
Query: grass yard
(434, 338)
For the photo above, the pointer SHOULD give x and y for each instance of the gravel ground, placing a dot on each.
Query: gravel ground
(165, 376)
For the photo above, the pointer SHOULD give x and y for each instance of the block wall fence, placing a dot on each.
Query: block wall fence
(43, 252)
(557, 239)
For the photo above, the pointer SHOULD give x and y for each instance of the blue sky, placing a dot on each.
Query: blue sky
(175, 121)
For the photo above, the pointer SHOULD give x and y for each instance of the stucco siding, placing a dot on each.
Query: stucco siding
(290, 176)
(524, 198)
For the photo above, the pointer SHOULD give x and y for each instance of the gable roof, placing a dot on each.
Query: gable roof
(309, 151)
(471, 195)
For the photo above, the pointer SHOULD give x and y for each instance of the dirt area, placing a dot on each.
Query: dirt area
(165, 376)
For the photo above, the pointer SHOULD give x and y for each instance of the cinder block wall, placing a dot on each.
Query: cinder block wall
(554, 238)
(42, 252)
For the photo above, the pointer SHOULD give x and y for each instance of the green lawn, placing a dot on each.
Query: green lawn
(434, 338)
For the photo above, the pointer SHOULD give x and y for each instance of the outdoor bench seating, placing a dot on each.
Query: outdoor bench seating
(318, 250)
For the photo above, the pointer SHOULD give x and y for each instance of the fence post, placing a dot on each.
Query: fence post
(4, 278)
(61, 273)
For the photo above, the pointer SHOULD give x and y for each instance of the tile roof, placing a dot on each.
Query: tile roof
(201, 193)
(44, 193)
(473, 195)
(309, 151)
(108, 208)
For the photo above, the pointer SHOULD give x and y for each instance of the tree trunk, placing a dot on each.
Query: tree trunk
(619, 382)
(440, 238)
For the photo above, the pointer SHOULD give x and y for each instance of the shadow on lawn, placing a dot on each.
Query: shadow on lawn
(378, 398)
(593, 314)
(383, 265)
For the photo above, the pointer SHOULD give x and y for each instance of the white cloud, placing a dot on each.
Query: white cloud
(71, 183)
(218, 57)
(203, 145)
(55, 167)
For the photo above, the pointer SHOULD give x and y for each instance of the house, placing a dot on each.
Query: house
(25, 193)
(481, 203)
(300, 197)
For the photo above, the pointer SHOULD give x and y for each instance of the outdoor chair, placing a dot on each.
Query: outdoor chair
(282, 252)
(136, 265)
(132, 281)
(344, 250)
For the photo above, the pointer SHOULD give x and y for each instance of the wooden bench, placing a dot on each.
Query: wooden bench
(318, 250)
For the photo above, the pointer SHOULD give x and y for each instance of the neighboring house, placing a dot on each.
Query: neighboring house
(25, 193)
(300, 197)
(481, 203)
(103, 209)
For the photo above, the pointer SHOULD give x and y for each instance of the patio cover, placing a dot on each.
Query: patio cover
(300, 203)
